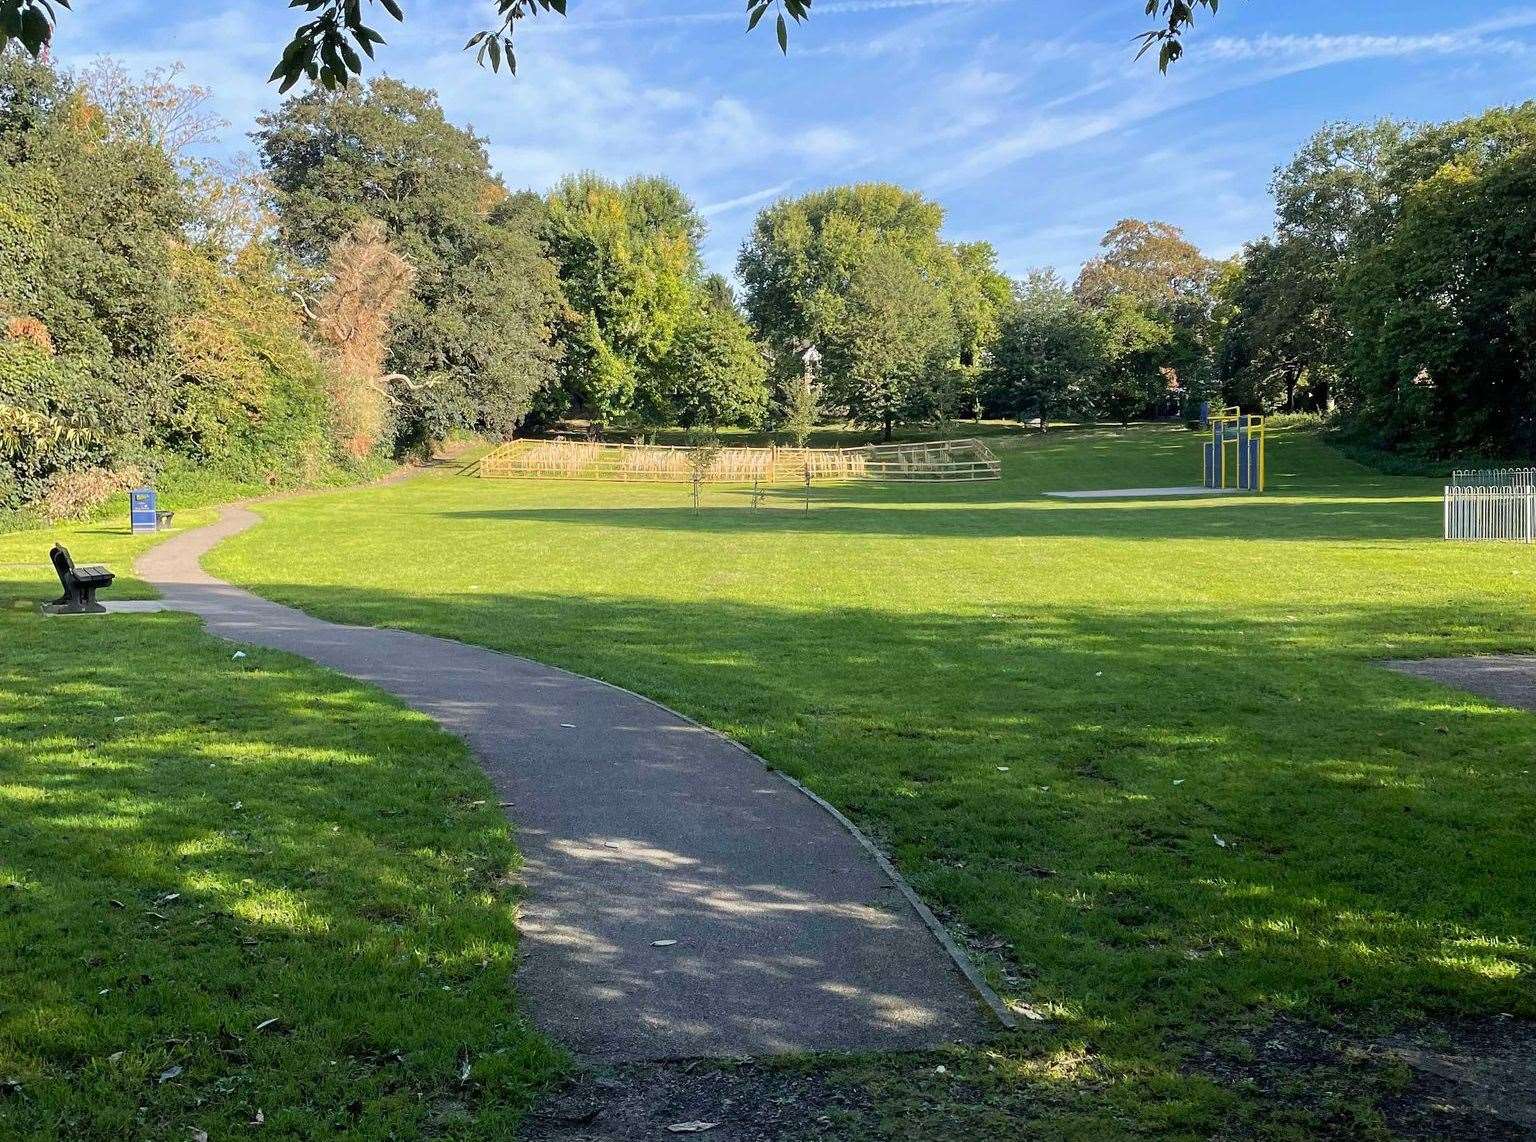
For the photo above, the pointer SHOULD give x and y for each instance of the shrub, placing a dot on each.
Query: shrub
(76, 494)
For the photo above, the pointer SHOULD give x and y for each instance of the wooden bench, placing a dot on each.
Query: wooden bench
(80, 585)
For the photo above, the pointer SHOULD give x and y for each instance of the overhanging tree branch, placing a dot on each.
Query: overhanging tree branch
(328, 48)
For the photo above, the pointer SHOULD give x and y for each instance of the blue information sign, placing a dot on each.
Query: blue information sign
(141, 509)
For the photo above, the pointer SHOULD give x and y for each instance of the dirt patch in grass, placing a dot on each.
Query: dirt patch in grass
(1469, 1079)
(906, 1096)
(1459, 1082)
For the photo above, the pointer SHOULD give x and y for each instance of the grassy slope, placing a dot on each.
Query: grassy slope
(1152, 675)
(337, 867)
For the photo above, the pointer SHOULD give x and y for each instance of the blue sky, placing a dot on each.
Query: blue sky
(1036, 129)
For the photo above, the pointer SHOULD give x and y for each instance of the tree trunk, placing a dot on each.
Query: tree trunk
(888, 426)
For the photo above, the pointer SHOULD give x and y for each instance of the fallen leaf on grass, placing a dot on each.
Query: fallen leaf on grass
(169, 1073)
(198, 1135)
(1218, 840)
(117, 903)
(271, 1026)
(260, 1118)
(695, 1127)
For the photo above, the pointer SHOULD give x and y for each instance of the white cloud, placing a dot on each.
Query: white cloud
(741, 202)
(1320, 50)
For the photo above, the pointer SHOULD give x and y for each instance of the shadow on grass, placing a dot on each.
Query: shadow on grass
(1352, 517)
(191, 845)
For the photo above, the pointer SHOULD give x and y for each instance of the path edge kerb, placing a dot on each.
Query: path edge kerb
(990, 999)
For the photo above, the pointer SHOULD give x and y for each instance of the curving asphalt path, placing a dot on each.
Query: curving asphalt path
(785, 931)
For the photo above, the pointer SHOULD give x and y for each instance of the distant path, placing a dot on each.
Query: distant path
(638, 826)
(1506, 678)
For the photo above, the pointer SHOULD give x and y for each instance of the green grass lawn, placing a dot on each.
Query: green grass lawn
(1050, 712)
(193, 844)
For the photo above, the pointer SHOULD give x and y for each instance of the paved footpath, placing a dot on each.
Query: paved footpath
(1506, 678)
(681, 899)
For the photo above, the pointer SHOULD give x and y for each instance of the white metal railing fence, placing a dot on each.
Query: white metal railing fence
(1476, 512)
(1493, 478)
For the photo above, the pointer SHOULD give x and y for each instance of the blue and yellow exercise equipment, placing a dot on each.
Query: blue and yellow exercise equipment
(1234, 455)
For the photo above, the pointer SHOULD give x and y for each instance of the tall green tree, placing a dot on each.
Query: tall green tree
(1134, 377)
(476, 341)
(714, 374)
(1154, 291)
(628, 262)
(1442, 309)
(1280, 341)
(87, 220)
(890, 341)
(1050, 351)
(1332, 200)
(803, 269)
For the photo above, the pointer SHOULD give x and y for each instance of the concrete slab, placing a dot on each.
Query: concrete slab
(1141, 493)
(1509, 679)
(681, 898)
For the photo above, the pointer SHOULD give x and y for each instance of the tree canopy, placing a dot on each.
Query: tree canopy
(139, 329)
(649, 339)
(330, 45)
(475, 338)
(813, 270)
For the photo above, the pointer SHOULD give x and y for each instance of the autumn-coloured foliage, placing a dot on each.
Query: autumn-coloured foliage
(352, 319)
(30, 330)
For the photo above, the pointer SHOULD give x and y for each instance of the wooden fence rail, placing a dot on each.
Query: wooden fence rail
(1475, 512)
(586, 460)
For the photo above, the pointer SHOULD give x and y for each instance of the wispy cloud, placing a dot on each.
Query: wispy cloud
(1033, 132)
(1323, 50)
(1204, 77)
(740, 202)
(722, 16)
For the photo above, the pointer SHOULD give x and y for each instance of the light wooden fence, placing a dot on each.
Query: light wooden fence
(1493, 478)
(1477, 512)
(931, 460)
(585, 460)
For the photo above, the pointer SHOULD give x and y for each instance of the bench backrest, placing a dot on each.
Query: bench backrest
(62, 562)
